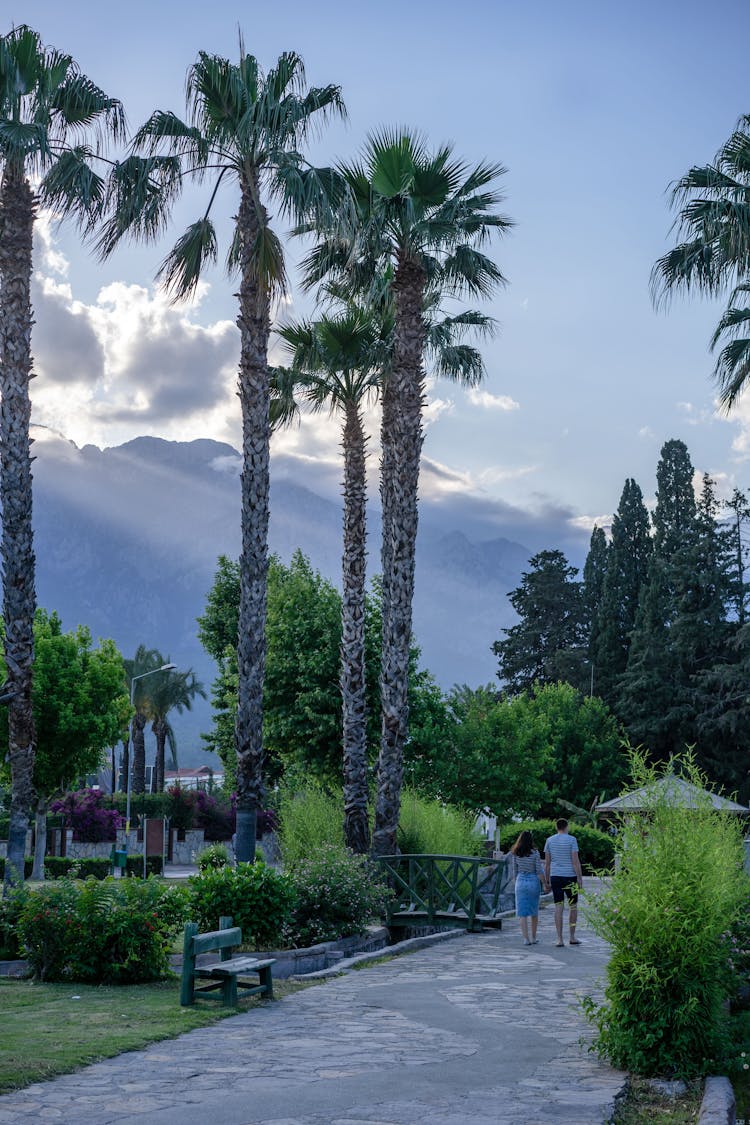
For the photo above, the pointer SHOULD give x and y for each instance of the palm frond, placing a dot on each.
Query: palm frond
(71, 186)
(284, 407)
(181, 269)
(166, 127)
(140, 192)
(80, 102)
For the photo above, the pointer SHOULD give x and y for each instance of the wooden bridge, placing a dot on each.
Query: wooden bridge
(443, 890)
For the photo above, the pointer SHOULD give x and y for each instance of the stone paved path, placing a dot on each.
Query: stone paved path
(476, 1029)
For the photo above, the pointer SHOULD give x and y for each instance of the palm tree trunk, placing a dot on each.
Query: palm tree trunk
(387, 475)
(40, 840)
(139, 753)
(353, 681)
(254, 325)
(407, 379)
(125, 771)
(159, 728)
(17, 210)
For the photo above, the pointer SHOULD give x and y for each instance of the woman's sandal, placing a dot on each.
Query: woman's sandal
(574, 941)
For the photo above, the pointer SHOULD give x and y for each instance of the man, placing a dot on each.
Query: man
(562, 870)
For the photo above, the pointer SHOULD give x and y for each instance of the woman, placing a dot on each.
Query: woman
(527, 868)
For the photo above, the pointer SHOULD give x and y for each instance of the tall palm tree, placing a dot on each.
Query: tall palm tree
(424, 216)
(47, 109)
(713, 254)
(244, 129)
(146, 660)
(165, 692)
(338, 360)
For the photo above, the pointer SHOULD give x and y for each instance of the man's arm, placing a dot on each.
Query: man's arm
(577, 867)
(547, 865)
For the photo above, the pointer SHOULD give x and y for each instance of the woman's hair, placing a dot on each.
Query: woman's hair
(524, 845)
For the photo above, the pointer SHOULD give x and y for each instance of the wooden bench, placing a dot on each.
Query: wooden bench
(225, 972)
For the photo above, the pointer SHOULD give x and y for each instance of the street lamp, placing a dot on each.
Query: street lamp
(164, 668)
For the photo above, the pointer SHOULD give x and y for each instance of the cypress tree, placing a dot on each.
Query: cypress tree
(548, 643)
(627, 571)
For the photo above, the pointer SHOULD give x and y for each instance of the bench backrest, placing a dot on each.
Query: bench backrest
(216, 939)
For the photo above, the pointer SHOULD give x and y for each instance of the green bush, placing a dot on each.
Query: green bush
(28, 866)
(101, 932)
(310, 819)
(57, 867)
(257, 898)
(597, 849)
(215, 856)
(428, 826)
(134, 865)
(11, 906)
(337, 894)
(667, 915)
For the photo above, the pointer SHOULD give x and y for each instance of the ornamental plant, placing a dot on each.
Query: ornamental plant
(677, 893)
(101, 932)
(84, 811)
(213, 857)
(258, 899)
(337, 894)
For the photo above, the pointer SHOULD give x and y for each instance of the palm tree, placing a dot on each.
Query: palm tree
(713, 223)
(47, 108)
(165, 692)
(244, 129)
(425, 217)
(146, 660)
(338, 361)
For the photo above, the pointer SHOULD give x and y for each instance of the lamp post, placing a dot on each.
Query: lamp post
(164, 668)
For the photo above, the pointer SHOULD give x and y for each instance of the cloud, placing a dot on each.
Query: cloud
(646, 433)
(487, 401)
(588, 523)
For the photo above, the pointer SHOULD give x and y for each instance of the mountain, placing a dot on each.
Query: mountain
(127, 540)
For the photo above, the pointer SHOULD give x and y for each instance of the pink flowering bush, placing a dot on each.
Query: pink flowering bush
(337, 894)
(84, 811)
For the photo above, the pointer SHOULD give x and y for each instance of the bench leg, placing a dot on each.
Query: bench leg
(229, 992)
(266, 979)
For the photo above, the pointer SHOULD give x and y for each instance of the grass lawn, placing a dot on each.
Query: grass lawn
(643, 1106)
(50, 1029)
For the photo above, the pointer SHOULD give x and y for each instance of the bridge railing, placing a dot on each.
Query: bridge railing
(443, 889)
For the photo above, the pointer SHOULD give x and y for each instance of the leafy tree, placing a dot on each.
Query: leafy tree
(547, 644)
(491, 753)
(244, 128)
(421, 217)
(587, 756)
(47, 107)
(80, 704)
(627, 570)
(145, 661)
(737, 521)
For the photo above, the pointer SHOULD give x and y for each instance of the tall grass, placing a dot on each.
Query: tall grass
(427, 826)
(310, 819)
(667, 915)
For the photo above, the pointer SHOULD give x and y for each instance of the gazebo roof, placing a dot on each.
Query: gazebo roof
(677, 791)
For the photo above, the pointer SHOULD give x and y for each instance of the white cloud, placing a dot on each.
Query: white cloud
(646, 432)
(488, 401)
(588, 523)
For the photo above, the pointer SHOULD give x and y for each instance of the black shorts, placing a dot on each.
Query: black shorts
(564, 886)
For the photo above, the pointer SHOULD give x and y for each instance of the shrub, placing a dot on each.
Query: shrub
(428, 826)
(101, 932)
(310, 820)
(215, 856)
(28, 866)
(337, 894)
(679, 888)
(215, 816)
(597, 849)
(10, 911)
(57, 866)
(134, 865)
(85, 813)
(257, 898)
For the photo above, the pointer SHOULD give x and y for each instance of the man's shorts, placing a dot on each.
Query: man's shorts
(564, 886)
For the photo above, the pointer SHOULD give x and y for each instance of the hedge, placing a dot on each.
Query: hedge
(99, 867)
(597, 849)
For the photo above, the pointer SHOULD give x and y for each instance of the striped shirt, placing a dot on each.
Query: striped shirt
(560, 848)
(525, 864)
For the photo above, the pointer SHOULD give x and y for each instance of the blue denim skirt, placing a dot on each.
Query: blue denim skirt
(528, 893)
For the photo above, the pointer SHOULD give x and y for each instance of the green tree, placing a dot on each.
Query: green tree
(80, 703)
(626, 573)
(713, 253)
(244, 128)
(587, 756)
(47, 109)
(421, 218)
(548, 643)
(490, 753)
(139, 669)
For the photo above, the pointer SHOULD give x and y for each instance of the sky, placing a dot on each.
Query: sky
(593, 108)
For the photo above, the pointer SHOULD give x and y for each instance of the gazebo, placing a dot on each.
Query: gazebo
(677, 791)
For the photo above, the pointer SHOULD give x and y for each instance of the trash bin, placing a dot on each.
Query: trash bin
(119, 859)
